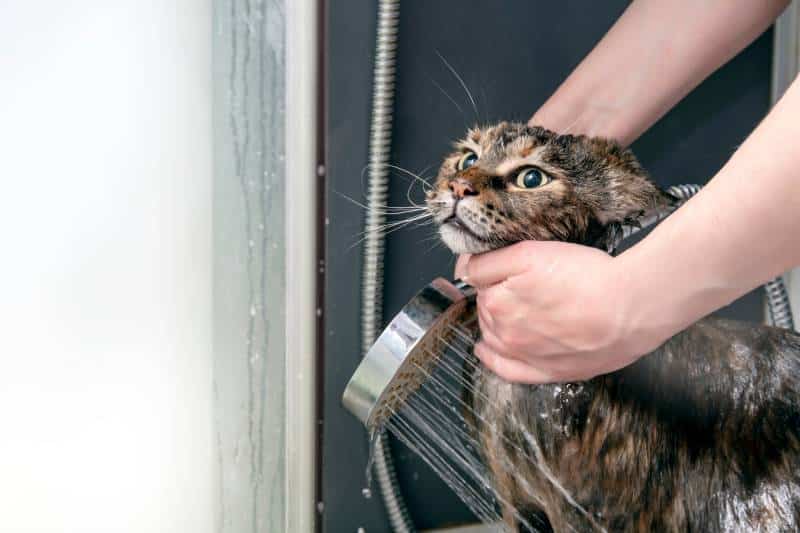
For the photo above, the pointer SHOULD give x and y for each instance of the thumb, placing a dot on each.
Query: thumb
(461, 264)
(493, 267)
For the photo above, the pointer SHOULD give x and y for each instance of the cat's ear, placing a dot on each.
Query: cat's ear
(633, 210)
(631, 198)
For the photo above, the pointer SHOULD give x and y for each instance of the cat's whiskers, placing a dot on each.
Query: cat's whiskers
(463, 84)
(460, 110)
(448, 96)
(420, 220)
(425, 184)
(416, 178)
(385, 209)
(401, 222)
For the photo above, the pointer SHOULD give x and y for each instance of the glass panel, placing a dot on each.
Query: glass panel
(249, 272)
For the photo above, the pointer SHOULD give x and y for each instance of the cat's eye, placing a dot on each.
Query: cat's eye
(530, 178)
(467, 160)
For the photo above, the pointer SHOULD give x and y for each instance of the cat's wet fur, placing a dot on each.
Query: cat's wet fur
(702, 434)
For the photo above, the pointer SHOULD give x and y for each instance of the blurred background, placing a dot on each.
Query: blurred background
(181, 274)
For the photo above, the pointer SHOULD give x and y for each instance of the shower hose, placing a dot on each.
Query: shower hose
(780, 313)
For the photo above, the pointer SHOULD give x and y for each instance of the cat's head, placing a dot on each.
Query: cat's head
(512, 182)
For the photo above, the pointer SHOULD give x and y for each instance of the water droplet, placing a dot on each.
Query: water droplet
(320, 507)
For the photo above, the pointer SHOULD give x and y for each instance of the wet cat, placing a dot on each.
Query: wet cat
(703, 434)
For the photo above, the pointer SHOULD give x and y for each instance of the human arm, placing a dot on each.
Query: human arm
(656, 53)
(553, 311)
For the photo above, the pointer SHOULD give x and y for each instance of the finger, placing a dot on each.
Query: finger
(500, 348)
(497, 301)
(493, 267)
(509, 369)
(461, 264)
(489, 338)
(495, 305)
(486, 317)
(546, 257)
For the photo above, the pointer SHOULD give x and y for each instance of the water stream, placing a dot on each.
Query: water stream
(433, 422)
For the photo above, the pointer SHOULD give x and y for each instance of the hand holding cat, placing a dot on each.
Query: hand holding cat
(552, 312)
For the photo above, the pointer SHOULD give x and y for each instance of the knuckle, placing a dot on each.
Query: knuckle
(492, 361)
(514, 341)
(491, 303)
(483, 353)
(484, 317)
(511, 339)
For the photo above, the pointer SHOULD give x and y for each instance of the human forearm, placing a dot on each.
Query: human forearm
(738, 232)
(620, 89)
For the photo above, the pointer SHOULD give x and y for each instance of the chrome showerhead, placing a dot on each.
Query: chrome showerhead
(407, 350)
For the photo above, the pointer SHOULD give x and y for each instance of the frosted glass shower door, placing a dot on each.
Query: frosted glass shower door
(105, 277)
(156, 331)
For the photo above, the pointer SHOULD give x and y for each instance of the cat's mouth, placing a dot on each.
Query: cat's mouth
(461, 239)
(456, 222)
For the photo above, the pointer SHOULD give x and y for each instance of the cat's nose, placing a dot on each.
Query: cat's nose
(462, 188)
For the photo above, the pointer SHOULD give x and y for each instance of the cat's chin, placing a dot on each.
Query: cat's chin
(461, 242)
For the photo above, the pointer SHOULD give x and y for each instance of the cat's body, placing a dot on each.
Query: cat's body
(703, 434)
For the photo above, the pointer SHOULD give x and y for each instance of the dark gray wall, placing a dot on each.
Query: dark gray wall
(512, 55)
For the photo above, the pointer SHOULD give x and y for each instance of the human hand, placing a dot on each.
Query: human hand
(553, 312)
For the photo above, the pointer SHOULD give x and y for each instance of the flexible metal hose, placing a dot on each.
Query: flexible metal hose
(372, 274)
(780, 310)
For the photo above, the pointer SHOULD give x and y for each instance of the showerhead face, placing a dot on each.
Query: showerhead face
(407, 350)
